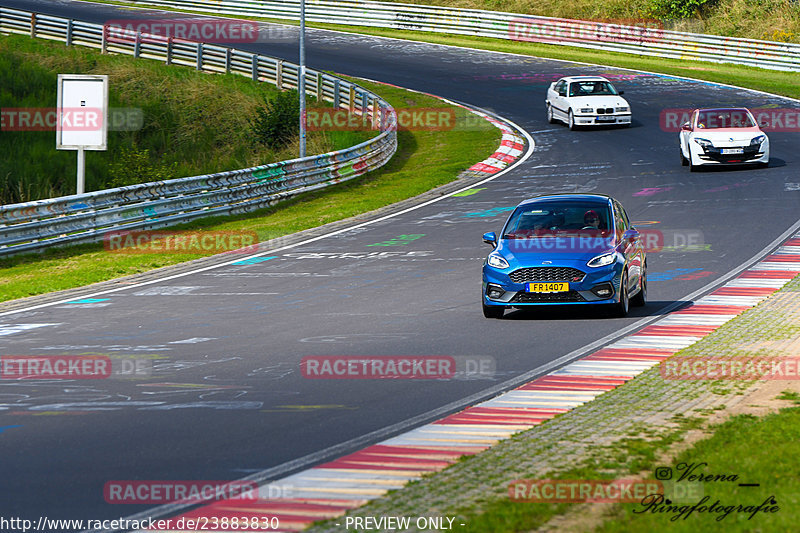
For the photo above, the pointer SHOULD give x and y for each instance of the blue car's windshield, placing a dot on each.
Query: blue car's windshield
(548, 218)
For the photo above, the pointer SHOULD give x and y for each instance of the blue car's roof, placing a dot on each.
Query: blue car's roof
(598, 198)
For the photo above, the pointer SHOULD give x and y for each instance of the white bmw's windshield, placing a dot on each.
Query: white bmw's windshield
(591, 88)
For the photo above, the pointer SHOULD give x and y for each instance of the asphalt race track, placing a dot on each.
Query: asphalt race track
(227, 398)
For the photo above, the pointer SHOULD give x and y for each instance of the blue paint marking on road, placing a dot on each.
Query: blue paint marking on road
(670, 274)
(3, 428)
(254, 260)
(493, 212)
(89, 301)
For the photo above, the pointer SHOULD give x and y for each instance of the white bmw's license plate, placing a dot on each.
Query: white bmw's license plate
(605, 119)
(731, 151)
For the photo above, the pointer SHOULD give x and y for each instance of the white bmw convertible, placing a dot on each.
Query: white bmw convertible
(586, 101)
(728, 136)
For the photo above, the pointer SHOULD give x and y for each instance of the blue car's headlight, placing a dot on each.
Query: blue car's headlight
(602, 260)
(497, 261)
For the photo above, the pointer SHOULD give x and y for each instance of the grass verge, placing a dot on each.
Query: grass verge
(736, 448)
(178, 122)
(424, 160)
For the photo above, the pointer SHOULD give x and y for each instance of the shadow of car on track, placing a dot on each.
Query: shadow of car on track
(609, 127)
(774, 162)
(591, 312)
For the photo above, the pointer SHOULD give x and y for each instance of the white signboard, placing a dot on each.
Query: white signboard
(82, 112)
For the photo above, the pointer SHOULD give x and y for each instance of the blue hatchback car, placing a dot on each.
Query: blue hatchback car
(565, 249)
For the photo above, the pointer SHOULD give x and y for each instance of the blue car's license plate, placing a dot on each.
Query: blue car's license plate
(560, 286)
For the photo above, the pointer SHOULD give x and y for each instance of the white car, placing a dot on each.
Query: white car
(586, 101)
(726, 136)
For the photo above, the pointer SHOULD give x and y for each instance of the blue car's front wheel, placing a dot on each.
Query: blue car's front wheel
(620, 309)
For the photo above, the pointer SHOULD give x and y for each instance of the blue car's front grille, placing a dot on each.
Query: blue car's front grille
(525, 275)
(533, 297)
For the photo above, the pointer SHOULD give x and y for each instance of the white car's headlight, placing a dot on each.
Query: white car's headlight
(758, 140)
(602, 260)
(586, 110)
(622, 109)
(705, 143)
(497, 261)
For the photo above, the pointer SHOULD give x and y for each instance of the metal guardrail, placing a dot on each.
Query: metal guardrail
(86, 217)
(606, 36)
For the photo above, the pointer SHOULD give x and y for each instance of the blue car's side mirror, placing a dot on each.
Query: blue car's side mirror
(631, 235)
(490, 238)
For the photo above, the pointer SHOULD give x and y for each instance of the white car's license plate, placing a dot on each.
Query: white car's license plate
(731, 151)
(605, 119)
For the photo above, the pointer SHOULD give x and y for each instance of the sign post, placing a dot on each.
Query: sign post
(82, 110)
(301, 78)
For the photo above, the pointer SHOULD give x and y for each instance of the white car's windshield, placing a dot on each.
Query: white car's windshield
(724, 118)
(591, 88)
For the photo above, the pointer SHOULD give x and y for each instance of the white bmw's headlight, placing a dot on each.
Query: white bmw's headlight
(705, 143)
(497, 261)
(622, 109)
(602, 260)
(758, 140)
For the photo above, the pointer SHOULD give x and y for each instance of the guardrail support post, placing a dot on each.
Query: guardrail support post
(375, 113)
(33, 25)
(254, 67)
(169, 50)
(137, 45)
(364, 103)
(68, 40)
(352, 99)
(104, 40)
(337, 99)
(320, 87)
(279, 75)
(227, 61)
(199, 56)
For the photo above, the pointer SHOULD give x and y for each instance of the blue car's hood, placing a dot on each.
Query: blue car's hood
(556, 249)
